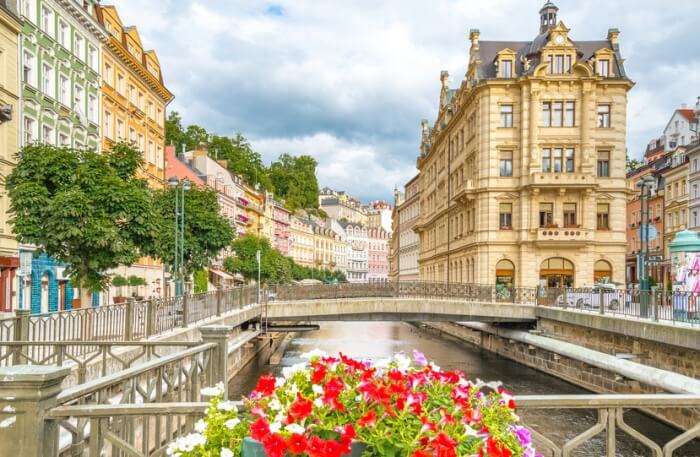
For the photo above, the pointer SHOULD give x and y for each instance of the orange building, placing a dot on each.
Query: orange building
(134, 96)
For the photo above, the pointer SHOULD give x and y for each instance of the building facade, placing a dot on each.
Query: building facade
(693, 154)
(377, 254)
(341, 206)
(301, 242)
(10, 27)
(675, 182)
(522, 177)
(407, 239)
(133, 94)
(379, 215)
(358, 251)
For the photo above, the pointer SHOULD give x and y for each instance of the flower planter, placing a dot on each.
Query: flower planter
(252, 448)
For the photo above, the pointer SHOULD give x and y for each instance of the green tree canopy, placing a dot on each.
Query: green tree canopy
(294, 180)
(84, 209)
(206, 231)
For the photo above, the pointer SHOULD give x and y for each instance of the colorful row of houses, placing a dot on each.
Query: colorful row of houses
(671, 167)
(72, 74)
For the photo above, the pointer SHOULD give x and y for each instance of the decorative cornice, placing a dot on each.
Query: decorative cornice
(138, 68)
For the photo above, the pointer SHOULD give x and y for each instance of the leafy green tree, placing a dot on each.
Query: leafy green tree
(241, 159)
(206, 231)
(294, 180)
(201, 281)
(632, 164)
(174, 133)
(84, 209)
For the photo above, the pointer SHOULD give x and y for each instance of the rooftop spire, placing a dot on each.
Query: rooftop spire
(548, 16)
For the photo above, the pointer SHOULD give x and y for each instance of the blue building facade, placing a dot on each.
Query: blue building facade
(45, 274)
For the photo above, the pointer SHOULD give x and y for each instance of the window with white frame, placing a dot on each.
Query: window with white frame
(109, 74)
(29, 130)
(79, 47)
(120, 129)
(604, 67)
(47, 23)
(151, 157)
(64, 90)
(63, 34)
(29, 9)
(47, 135)
(107, 127)
(141, 143)
(47, 80)
(29, 68)
(92, 58)
(92, 108)
(506, 68)
(79, 99)
(63, 139)
(120, 84)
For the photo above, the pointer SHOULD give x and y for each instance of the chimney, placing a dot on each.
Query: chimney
(444, 79)
(201, 150)
(613, 35)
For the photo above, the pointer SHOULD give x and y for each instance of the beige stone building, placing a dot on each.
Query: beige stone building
(9, 135)
(675, 192)
(301, 236)
(403, 262)
(522, 177)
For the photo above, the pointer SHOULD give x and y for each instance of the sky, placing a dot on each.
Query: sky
(348, 81)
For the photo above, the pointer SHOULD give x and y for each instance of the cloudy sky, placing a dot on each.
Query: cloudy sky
(348, 81)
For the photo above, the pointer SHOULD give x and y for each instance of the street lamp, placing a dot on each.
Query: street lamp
(180, 188)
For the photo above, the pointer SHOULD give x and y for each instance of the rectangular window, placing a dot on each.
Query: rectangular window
(64, 90)
(63, 139)
(107, 124)
(47, 80)
(569, 114)
(47, 135)
(546, 160)
(604, 164)
(505, 216)
(603, 116)
(28, 69)
(108, 76)
(506, 68)
(92, 108)
(546, 114)
(505, 166)
(557, 114)
(603, 216)
(92, 58)
(63, 34)
(79, 47)
(557, 160)
(120, 84)
(569, 215)
(546, 214)
(506, 115)
(79, 104)
(604, 68)
(120, 129)
(47, 20)
(29, 126)
(569, 162)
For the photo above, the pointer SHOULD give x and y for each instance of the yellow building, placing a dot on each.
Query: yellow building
(254, 209)
(675, 194)
(134, 95)
(301, 242)
(9, 134)
(134, 98)
(522, 177)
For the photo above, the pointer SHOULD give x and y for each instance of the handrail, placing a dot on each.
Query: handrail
(90, 387)
(592, 401)
(101, 343)
(141, 409)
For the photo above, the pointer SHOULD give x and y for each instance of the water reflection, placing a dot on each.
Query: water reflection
(383, 339)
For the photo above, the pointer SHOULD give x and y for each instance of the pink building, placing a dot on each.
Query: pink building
(377, 254)
(281, 219)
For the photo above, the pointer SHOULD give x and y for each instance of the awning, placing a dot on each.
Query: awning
(222, 274)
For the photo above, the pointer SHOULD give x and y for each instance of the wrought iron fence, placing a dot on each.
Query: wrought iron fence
(131, 320)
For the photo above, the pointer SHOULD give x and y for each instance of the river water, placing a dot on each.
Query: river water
(383, 339)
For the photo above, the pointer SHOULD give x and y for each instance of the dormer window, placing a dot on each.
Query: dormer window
(604, 68)
(559, 64)
(506, 69)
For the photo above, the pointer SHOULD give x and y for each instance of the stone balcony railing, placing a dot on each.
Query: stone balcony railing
(562, 179)
(563, 235)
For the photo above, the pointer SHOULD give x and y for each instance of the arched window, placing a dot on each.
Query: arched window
(602, 271)
(505, 273)
(557, 272)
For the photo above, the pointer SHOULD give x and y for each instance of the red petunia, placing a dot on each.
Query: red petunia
(259, 429)
(275, 445)
(420, 453)
(368, 420)
(299, 410)
(318, 374)
(495, 448)
(297, 443)
(265, 386)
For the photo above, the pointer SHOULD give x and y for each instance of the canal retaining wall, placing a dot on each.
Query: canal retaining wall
(564, 366)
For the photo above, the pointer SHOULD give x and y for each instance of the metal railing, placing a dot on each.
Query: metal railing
(610, 411)
(668, 307)
(140, 428)
(128, 321)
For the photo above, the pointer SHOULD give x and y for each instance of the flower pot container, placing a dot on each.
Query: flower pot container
(253, 448)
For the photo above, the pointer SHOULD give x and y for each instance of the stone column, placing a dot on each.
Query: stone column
(27, 393)
(219, 335)
(129, 319)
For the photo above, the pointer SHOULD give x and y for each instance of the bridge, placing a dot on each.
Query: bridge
(126, 379)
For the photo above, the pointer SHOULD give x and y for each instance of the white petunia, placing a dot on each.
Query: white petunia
(382, 363)
(200, 426)
(314, 353)
(227, 405)
(295, 428)
(434, 367)
(231, 423)
(279, 381)
(318, 390)
(226, 452)
(318, 403)
(288, 372)
(402, 362)
(215, 391)
(275, 427)
(275, 404)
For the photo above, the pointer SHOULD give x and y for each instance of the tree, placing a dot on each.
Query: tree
(84, 209)
(241, 159)
(294, 180)
(206, 231)
(632, 164)
(174, 133)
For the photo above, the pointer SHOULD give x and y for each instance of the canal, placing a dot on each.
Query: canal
(383, 339)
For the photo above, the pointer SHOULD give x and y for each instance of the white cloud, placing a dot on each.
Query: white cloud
(360, 74)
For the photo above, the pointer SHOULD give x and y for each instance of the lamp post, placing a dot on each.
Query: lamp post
(180, 187)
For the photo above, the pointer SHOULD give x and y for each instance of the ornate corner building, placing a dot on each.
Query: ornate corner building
(522, 176)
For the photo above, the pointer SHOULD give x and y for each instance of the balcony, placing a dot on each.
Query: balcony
(564, 236)
(465, 192)
(556, 180)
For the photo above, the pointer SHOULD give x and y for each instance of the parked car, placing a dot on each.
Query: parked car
(590, 298)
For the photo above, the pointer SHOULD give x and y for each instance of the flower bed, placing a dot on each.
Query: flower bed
(335, 406)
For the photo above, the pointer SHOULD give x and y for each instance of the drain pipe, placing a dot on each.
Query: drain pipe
(666, 380)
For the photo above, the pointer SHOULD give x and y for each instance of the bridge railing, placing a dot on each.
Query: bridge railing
(153, 398)
(131, 320)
